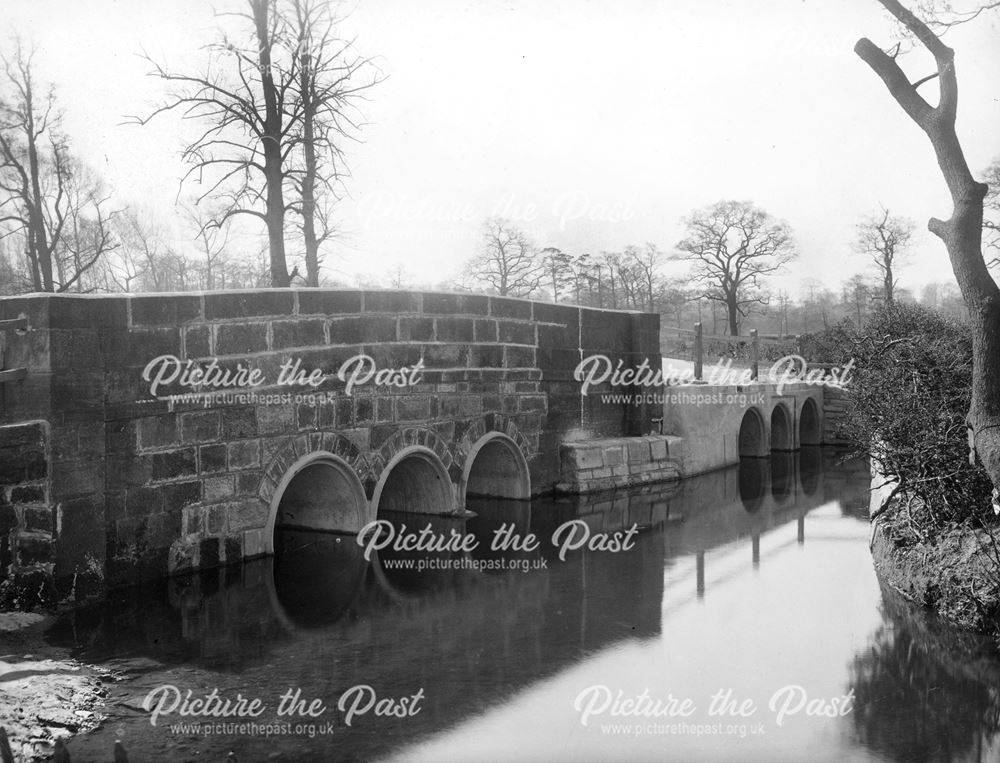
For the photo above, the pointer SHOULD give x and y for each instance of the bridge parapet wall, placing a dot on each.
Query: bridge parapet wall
(153, 484)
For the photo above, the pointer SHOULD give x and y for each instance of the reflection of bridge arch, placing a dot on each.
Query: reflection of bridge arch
(495, 467)
(753, 479)
(414, 481)
(334, 568)
(752, 442)
(782, 476)
(319, 491)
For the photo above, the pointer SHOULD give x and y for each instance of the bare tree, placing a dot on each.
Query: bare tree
(733, 246)
(647, 262)
(242, 152)
(558, 269)
(506, 262)
(48, 200)
(884, 238)
(212, 240)
(332, 78)
(399, 276)
(275, 102)
(962, 232)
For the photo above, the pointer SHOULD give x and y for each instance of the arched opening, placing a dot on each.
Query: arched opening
(319, 492)
(781, 431)
(751, 440)
(496, 468)
(414, 482)
(809, 433)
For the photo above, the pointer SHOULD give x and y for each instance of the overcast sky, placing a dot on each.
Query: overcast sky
(592, 124)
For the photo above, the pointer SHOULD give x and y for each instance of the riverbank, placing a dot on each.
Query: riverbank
(47, 695)
(956, 574)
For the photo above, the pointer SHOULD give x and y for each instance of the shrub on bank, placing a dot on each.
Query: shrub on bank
(910, 391)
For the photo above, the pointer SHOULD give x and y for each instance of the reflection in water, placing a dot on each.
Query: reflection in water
(334, 566)
(753, 483)
(782, 475)
(476, 630)
(925, 692)
(810, 468)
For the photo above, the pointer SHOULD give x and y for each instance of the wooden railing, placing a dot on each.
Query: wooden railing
(753, 341)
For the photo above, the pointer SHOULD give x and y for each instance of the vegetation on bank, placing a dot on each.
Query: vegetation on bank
(934, 539)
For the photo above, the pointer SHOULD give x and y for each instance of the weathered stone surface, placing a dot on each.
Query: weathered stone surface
(154, 470)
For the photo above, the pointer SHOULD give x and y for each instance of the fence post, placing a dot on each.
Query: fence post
(754, 354)
(698, 349)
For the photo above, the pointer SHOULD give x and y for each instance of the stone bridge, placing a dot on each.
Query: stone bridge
(720, 424)
(115, 465)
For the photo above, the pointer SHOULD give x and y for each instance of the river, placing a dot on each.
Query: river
(741, 621)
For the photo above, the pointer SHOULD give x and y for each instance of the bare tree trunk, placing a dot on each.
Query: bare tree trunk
(732, 308)
(307, 86)
(272, 139)
(962, 232)
(43, 253)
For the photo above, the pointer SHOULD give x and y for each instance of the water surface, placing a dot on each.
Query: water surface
(752, 585)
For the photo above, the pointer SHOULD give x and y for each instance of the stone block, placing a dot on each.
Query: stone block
(413, 329)
(200, 426)
(450, 304)
(248, 483)
(516, 333)
(244, 454)
(247, 513)
(453, 329)
(485, 330)
(505, 307)
(253, 543)
(445, 355)
(485, 356)
(212, 458)
(658, 448)
(248, 304)
(275, 419)
(412, 408)
(216, 518)
(164, 310)
(197, 341)
(638, 451)
(238, 423)
(518, 357)
(178, 495)
(298, 333)
(218, 488)
(142, 501)
(233, 547)
(328, 302)
(240, 338)
(193, 520)
(394, 302)
(173, 464)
